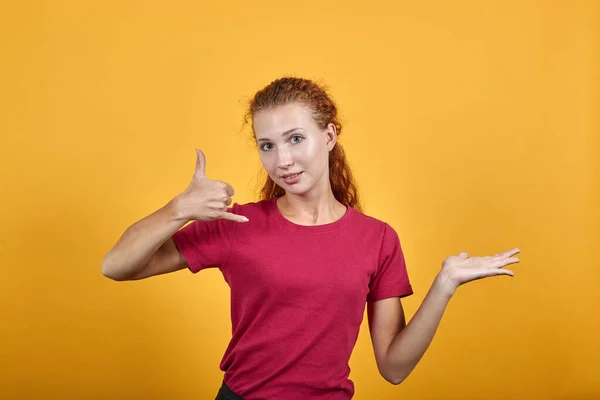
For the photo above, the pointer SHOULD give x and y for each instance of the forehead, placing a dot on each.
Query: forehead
(274, 121)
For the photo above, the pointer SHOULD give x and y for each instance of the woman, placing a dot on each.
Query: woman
(301, 263)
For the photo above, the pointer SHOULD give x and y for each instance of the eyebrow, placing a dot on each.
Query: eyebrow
(289, 131)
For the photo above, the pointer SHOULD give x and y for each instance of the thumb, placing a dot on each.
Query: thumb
(464, 255)
(200, 163)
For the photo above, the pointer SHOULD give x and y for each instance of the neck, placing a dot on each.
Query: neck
(311, 209)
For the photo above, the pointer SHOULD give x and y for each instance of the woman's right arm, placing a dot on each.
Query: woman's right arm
(146, 248)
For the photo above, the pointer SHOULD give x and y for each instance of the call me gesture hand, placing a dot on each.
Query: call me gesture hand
(206, 199)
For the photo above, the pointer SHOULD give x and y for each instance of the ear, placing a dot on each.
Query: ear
(330, 136)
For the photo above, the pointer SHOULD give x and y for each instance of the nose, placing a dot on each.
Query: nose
(284, 158)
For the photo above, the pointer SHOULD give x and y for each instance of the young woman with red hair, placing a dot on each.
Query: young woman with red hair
(301, 262)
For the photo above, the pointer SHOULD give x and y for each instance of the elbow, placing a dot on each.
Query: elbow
(113, 276)
(394, 380)
(394, 377)
(109, 271)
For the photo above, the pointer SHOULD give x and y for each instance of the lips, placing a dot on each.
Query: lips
(292, 179)
(290, 175)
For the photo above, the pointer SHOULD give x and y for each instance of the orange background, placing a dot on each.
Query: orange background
(470, 125)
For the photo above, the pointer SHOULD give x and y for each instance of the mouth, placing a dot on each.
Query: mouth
(287, 176)
(291, 178)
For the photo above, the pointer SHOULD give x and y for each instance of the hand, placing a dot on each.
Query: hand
(460, 269)
(205, 199)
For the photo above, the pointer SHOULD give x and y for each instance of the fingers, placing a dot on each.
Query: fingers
(508, 253)
(511, 260)
(229, 189)
(503, 272)
(486, 273)
(497, 260)
(504, 254)
(234, 217)
(499, 263)
(220, 205)
(503, 262)
(200, 163)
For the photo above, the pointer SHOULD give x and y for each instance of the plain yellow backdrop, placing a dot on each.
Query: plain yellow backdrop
(469, 125)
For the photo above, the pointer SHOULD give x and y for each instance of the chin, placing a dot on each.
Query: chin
(296, 191)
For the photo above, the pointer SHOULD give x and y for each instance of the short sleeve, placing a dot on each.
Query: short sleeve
(391, 278)
(205, 244)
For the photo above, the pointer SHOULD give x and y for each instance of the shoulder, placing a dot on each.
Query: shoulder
(370, 223)
(254, 209)
(372, 231)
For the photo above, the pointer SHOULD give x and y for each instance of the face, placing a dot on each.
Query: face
(290, 142)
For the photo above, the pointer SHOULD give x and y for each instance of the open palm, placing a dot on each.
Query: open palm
(461, 268)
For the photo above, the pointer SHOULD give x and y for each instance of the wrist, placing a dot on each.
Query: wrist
(444, 285)
(175, 210)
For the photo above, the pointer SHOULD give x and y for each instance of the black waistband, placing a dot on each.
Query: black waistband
(226, 394)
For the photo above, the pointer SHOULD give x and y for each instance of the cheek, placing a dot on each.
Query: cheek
(316, 154)
(267, 161)
(264, 161)
(308, 152)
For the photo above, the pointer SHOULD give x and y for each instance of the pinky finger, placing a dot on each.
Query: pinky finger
(503, 271)
(234, 217)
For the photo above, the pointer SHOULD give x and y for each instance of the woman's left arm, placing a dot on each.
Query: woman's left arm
(398, 346)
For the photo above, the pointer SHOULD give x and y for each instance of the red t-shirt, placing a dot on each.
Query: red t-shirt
(298, 295)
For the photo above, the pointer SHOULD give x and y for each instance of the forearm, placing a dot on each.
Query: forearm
(138, 243)
(409, 345)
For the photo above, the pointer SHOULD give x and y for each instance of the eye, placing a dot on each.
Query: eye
(296, 136)
(263, 146)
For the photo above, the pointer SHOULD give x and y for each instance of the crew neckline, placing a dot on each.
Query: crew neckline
(343, 220)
